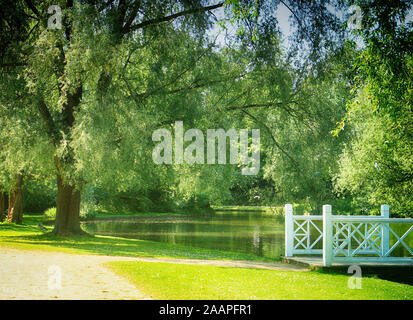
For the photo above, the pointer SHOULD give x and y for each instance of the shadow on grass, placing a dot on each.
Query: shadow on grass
(28, 236)
(114, 246)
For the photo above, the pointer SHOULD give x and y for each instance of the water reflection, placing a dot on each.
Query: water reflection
(244, 232)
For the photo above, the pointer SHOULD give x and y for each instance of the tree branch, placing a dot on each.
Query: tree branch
(256, 105)
(32, 7)
(131, 18)
(171, 17)
(272, 138)
(48, 120)
(293, 13)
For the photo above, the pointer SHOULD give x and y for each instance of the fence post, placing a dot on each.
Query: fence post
(289, 230)
(385, 237)
(327, 236)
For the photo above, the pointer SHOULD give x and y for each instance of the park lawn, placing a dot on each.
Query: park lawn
(171, 281)
(29, 237)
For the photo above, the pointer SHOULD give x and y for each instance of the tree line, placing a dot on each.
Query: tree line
(79, 103)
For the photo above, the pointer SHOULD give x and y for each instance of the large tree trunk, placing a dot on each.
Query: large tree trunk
(68, 207)
(4, 203)
(15, 211)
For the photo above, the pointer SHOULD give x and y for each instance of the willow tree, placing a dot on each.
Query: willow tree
(377, 165)
(71, 62)
(100, 75)
(24, 149)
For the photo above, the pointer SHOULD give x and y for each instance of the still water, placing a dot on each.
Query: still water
(245, 232)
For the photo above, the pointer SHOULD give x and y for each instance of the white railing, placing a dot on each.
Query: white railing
(347, 239)
(298, 236)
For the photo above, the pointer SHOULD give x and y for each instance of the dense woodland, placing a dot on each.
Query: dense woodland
(79, 104)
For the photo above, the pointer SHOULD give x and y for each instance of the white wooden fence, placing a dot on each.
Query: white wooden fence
(347, 239)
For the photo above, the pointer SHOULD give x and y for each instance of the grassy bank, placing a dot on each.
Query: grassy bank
(110, 215)
(177, 281)
(243, 208)
(29, 237)
(266, 210)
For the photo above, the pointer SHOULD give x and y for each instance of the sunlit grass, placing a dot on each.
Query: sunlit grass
(179, 281)
(29, 237)
(187, 282)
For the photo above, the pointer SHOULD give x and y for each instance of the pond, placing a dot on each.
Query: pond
(255, 233)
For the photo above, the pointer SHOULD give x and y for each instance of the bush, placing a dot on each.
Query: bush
(200, 201)
(39, 196)
(88, 203)
(88, 213)
(50, 213)
(85, 214)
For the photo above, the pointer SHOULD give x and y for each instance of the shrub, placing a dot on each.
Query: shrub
(39, 196)
(50, 213)
(88, 213)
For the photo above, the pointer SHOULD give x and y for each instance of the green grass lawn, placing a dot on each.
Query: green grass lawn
(29, 237)
(178, 281)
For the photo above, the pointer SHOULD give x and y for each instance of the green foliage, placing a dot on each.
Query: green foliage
(39, 196)
(82, 102)
(199, 201)
(88, 208)
(376, 166)
(50, 213)
(128, 203)
(386, 64)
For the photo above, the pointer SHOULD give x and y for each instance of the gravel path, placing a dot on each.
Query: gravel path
(35, 275)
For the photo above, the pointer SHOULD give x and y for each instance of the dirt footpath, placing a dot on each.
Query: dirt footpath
(35, 275)
(54, 275)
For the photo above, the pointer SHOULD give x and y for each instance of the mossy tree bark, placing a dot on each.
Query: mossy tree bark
(4, 203)
(15, 210)
(68, 208)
